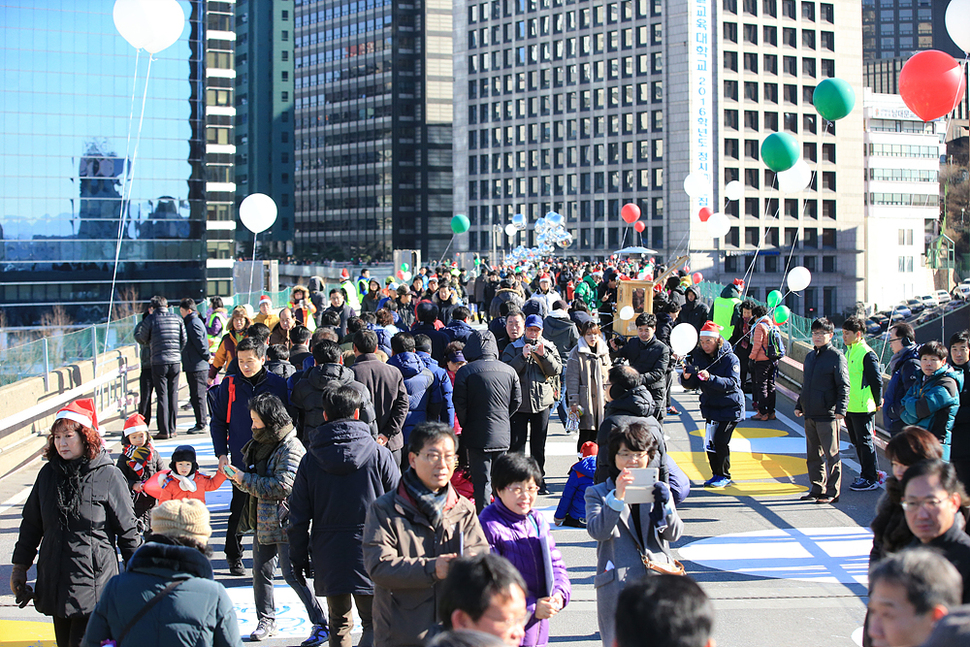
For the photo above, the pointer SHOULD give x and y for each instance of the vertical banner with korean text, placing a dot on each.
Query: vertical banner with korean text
(700, 49)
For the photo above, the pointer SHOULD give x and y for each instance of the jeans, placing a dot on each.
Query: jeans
(862, 426)
(480, 466)
(234, 548)
(264, 568)
(763, 376)
(822, 450)
(197, 391)
(520, 423)
(720, 458)
(166, 378)
(342, 619)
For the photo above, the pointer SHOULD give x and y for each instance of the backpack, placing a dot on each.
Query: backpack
(774, 344)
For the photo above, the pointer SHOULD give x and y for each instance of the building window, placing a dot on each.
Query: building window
(285, 36)
(905, 236)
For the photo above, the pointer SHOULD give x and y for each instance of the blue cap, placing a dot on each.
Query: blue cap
(533, 321)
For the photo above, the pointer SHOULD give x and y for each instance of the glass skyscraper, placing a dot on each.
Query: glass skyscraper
(70, 119)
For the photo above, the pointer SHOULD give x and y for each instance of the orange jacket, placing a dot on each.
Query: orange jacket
(171, 490)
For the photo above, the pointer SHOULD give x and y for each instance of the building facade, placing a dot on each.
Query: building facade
(69, 161)
(220, 150)
(902, 199)
(893, 28)
(264, 102)
(373, 131)
(576, 108)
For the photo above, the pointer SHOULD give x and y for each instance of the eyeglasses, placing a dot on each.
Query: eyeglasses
(518, 490)
(633, 456)
(435, 458)
(913, 505)
(508, 623)
(892, 339)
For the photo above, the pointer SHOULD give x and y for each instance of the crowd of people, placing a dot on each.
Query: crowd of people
(375, 439)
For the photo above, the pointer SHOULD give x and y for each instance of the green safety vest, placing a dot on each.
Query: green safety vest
(724, 313)
(860, 399)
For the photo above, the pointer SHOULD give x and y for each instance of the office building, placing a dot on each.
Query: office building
(902, 199)
(373, 128)
(264, 117)
(893, 28)
(575, 108)
(70, 85)
(220, 151)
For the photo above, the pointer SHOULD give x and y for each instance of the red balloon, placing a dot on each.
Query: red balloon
(630, 213)
(698, 277)
(705, 213)
(639, 226)
(932, 83)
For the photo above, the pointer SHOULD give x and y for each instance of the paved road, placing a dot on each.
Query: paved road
(780, 571)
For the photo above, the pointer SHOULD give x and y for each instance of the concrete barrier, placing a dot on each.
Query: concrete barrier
(29, 408)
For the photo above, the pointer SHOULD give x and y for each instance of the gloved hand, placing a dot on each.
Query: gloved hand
(661, 497)
(303, 571)
(18, 585)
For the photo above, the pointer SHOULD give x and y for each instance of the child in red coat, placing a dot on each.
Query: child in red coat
(183, 480)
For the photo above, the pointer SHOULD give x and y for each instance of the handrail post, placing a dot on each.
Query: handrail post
(47, 366)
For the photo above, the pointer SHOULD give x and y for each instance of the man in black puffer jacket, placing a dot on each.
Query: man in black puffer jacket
(164, 333)
(308, 397)
(628, 402)
(649, 356)
(487, 393)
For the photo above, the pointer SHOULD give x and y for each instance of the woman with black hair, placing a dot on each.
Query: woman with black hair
(628, 536)
(78, 511)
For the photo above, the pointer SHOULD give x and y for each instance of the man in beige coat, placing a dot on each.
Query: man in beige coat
(412, 534)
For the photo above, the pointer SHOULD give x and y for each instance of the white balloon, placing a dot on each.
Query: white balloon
(718, 225)
(152, 25)
(798, 278)
(958, 23)
(696, 185)
(795, 179)
(510, 230)
(734, 191)
(626, 313)
(406, 275)
(258, 212)
(683, 338)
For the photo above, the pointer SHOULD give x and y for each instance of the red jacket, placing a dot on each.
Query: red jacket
(172, 490)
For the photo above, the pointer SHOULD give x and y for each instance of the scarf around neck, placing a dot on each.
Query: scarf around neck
(68, 487)
(430, 504)
(258, 450)
(139, 457)
(187, 483)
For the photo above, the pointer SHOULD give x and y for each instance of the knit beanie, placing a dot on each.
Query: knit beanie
(182, 518)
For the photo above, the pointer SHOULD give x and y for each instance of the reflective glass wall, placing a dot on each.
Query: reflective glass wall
(69, 122)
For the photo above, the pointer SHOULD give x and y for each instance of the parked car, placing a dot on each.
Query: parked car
(928, 315)
(899, 314)
(880, 320)
(873, 327)
(929, 300)
(943, 296)
(962, 291)
(954, 304)
(908, 309)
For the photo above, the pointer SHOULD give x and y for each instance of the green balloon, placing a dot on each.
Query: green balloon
(774, 298)
(833, 99)
(781, 314)
(460, 224)
(780, 151)
(404, 267)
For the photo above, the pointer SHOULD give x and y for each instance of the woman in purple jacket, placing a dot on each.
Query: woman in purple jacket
(521, 535)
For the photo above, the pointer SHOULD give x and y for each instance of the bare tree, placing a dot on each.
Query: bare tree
(127, 303)
(55, 322)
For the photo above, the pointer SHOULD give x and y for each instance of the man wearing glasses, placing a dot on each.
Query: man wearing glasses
(823, 402)
(904, 371)
(932, 496)
(411, 536)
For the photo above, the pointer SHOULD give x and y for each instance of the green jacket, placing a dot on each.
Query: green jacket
(586, 290)
(865, 378)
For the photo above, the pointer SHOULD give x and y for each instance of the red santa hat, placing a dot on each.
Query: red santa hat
(265, 299)
(545, 277)
(344, 274)
(711, 329)
(80, 411)
(134, 424)
(739, 283)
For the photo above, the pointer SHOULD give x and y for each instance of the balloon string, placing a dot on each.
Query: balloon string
(252, 271)
(445, 253)
(761, 242)
(129, 175)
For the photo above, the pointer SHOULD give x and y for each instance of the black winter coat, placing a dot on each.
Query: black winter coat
(307, 399)
(439, 340)
(343, 472)
(694, 312)
(195, 353)
(825, 385)
(141, 502)
(75, 563)
(562, 332)
(721, 395)
(164, 333)
(960, 436)
(487, 393)
(650, 360)
(636, 405)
